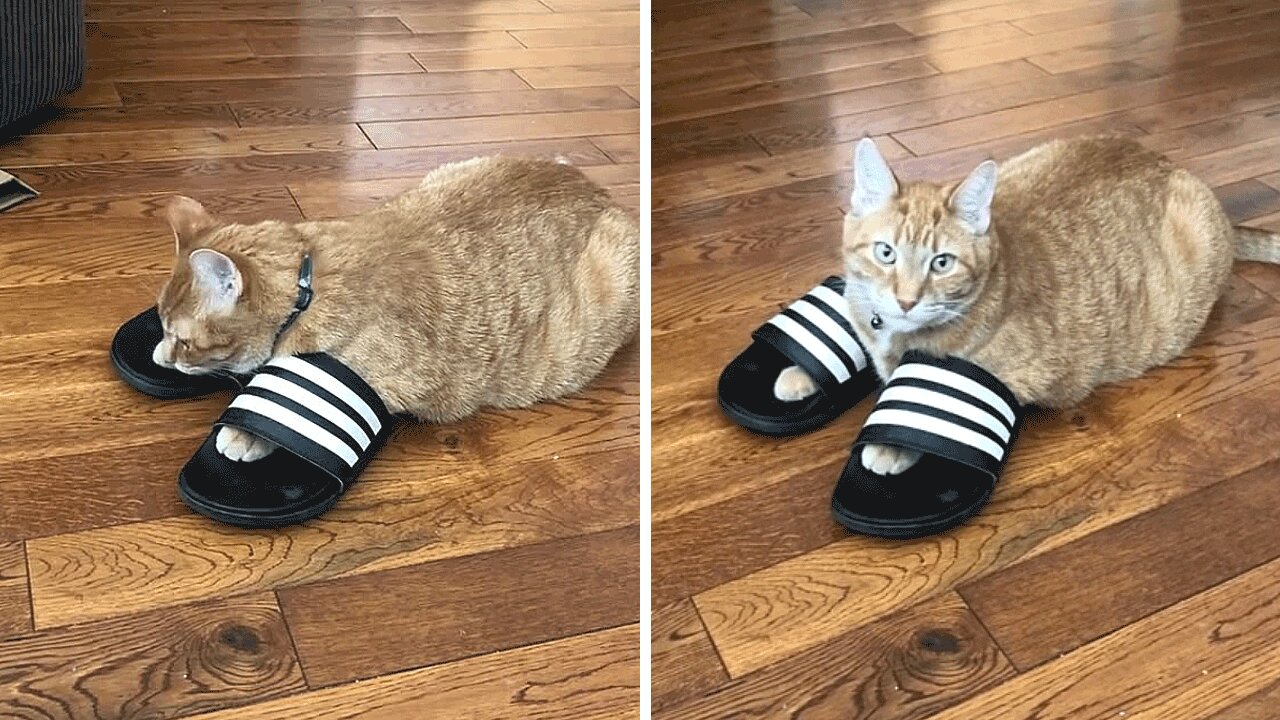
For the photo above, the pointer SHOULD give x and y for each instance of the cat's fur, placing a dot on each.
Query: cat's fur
(496, 282)
(1093, 262)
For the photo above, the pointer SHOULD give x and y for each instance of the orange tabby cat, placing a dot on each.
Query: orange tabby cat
(1095, 261)
(496, 282)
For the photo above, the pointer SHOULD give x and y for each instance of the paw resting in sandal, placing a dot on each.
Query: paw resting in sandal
(236, 444)
(888, 460)
(794, 384)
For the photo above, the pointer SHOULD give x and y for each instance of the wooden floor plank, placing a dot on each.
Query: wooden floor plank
(623, 149)
(245, 29)
(91, 94)
(15, 596)
(685, 664)
(752, 107)
(1214, 646)
(152, 117)
(625, 36)
(535, 126)
(419, 624)
(578, 75)
(205, 175)
(296, 9)
(1057, 602)
(145, 145)
(531, 58)
(1257, 706)
(906, 667)
(331, 88)
(1046, 113)
(392, 518)
(526, 21)
(192, 659)
(589, 677)
(364, 44)
(441, 106)
(753, 621)
(271, 67)
(517, 525)
(963, 95)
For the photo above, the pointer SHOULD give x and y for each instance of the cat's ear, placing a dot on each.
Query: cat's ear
(216, 279)
(188, 219)
(971, 200)
(873, 182)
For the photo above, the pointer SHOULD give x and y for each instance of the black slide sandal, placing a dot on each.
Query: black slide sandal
(131, 350)
(328, 424)
(816, 334)
(962, 418)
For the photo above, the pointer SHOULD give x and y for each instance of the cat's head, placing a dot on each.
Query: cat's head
(220, 311)
(917, 254)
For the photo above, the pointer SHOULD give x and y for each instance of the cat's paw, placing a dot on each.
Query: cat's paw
(888, 460)
(236, 444)
(793, 384)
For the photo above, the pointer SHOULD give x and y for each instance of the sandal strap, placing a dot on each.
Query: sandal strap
(816, 333)
(314, 407)
(946, 407)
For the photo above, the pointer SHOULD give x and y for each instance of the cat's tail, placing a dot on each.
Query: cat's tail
(1257, 245)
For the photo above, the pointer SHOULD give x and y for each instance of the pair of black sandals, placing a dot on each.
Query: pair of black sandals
(958, 416)
(326, 422)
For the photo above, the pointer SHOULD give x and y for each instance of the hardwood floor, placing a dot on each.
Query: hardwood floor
(487, 569)
(1126, 566)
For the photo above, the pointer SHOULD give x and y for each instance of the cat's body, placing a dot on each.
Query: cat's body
(1096, 261)
(496, 282)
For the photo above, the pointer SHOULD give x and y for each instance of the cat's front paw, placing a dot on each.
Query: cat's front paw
(236, 444)
(888, 460)
(793, 384)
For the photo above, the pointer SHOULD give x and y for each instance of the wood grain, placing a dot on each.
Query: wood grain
(206, 175)
(144, 145)
(269, 67)
(246, 29)
(1056, 602)
(417, 133)
(437, 615)
(595, 676)
(184, 660)
(15, 597)
(1213, 647)
(906, 667)
(527, 20)
(340, 88)
(685, 664)
(755, 107)
(460, 105)
(576, 75)
(254, 107)
(1049, 501)
(530, 58)
(390, 519)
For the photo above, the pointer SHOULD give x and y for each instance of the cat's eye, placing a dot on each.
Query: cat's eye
(183, 343)
(885, 253)
(943, 263)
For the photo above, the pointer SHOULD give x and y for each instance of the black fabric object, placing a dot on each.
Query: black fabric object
(962, 418)
(809, 325)
(328, 424)
(42, 54)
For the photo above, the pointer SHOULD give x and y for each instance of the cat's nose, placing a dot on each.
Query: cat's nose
(906, 305)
